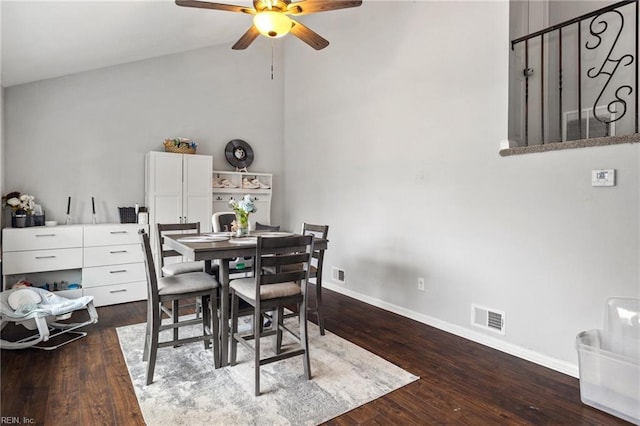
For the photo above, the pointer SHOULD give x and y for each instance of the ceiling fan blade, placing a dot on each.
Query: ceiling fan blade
(315, 6)
(215, 6)
(246, 39)
(310, 37)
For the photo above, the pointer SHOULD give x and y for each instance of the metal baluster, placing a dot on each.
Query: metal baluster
(637, 59)
(560, 81)
(579, 80)
(542, 87)
(526, 93)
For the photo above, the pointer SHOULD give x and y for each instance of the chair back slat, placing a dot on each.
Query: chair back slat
(170, 253)
(269, 245)
(282, 277)
(263, 227)
(319, 231)
(285, 259)
(179, 226)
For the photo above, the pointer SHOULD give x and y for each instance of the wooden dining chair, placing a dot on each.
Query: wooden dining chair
(272, 292)
(175, 288)
(221, 222)
(315, 273)
(179, 266)
(263, 227)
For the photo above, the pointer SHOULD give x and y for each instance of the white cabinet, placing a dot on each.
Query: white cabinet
(229, 186)
(113, 264)
(106, 260)
(178, 190)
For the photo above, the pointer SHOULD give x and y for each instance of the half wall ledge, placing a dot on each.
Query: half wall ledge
(582, 143)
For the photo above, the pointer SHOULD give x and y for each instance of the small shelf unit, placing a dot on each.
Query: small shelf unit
(262, 196)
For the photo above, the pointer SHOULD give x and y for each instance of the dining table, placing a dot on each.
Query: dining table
(223, 248)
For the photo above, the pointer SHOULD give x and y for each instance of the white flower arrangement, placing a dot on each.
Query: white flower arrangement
(242, 209)
(19, 202)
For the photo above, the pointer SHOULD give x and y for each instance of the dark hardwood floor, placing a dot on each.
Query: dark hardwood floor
(87, 383)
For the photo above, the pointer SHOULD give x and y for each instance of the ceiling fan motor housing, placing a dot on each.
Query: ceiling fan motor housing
(276, 5)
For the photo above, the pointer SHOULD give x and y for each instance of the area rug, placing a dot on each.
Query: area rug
(187, 390)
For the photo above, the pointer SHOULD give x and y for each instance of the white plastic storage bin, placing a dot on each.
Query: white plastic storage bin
(609, 361)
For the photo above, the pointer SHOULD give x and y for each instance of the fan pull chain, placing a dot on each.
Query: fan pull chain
(272, 61)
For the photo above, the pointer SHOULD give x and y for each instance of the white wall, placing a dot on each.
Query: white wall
(86, 135)
(392, 139)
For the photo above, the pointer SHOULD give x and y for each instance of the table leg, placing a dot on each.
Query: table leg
(224, 312)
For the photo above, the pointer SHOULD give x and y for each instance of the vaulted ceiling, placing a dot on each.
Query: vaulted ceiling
(46, 39)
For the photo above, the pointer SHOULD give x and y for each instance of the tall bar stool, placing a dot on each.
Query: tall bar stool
(173, 289)
(270, 291)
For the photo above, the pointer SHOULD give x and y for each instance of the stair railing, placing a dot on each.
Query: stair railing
(601, 33)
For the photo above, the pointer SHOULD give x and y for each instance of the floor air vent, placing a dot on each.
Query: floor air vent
(489, 319)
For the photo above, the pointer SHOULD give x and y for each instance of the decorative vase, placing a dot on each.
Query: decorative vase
(242, 224)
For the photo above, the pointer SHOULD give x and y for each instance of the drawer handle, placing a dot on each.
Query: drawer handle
(118, 232)
(117, 251)
(45, 235)
(118, 271)
(45, 257)
(118, 291)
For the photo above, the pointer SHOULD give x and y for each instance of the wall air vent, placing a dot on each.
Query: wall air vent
(589, 126)
(489, 319)
(337, 275)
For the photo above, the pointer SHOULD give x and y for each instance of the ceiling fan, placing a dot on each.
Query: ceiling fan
(271, 18)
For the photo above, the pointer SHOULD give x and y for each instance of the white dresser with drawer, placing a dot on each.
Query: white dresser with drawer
(113, 268)
(105, 259)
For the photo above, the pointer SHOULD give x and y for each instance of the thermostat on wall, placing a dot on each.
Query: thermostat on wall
(603, 177)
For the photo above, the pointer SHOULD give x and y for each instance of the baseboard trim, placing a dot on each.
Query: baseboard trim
(492, 342)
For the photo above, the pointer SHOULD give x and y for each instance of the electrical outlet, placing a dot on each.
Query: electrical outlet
(421, 284)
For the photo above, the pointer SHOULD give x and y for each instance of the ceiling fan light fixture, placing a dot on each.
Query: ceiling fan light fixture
(272, 24)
